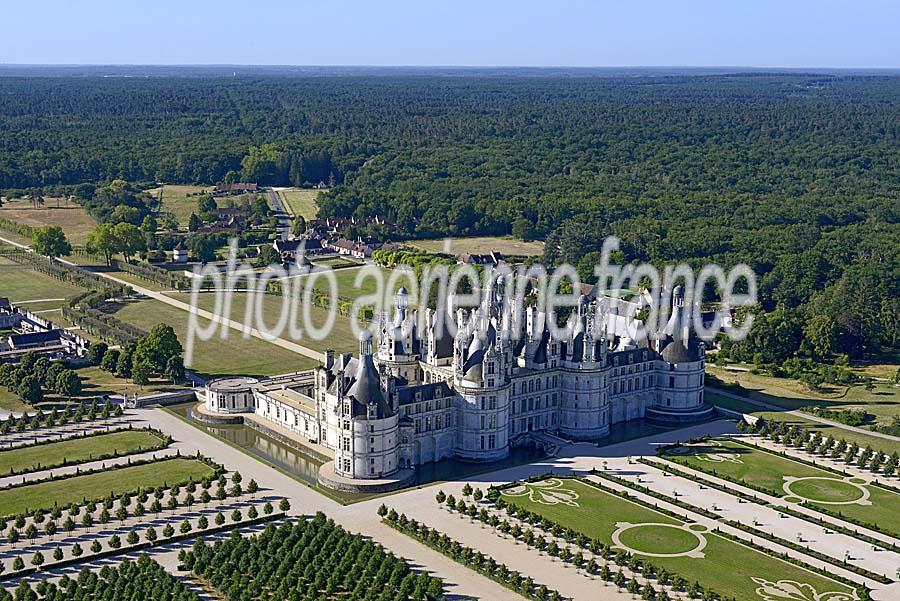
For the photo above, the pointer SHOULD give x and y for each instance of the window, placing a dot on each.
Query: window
(671, 381)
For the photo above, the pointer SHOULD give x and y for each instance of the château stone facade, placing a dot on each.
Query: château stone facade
(414, 396)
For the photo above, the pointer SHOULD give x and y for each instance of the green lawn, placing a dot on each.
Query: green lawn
(727, 567)
(347, 286)
(233, 355)
(21, 283)
(762, 469)
(481, 244)
(879, 444)
(301, 201)
(883, 402)
(337, 262)
(77, 450)
(341, 338)
(180, 200)
(45, 495)
(139, 281)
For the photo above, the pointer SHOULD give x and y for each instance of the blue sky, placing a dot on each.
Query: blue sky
(760, 33)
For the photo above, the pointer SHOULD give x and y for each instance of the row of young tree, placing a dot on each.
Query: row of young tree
(150, 536)
(813, 442)
(77, 414)
(307, 561)
(481, 563)
(546, 543)
(145, 502)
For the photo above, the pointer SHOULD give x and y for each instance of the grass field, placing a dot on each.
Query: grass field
(346, 282)
(45, 495)
(78, 450)
(20, 283)
(177, 199)
(337, 262)
(481, 245)
(139, 281)
(234, 355)
(726, 567)
(72, 218)
(879, 444)
(883, 402)
(765, 470)
(341, 338)
(301, 201)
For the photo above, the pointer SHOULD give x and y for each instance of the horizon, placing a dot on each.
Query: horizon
(825, 34)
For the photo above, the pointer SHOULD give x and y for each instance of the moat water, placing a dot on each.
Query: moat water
(305, 467)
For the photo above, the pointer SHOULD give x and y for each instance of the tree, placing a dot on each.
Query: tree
(194, 223)
(299, 225)
(174, 369)
(124, 364)
(202, 247)
(95, 352)
(267, 256)
(29, 390)
(51, 242)
(129, 239)
(103, 241)
(68, 384)
(141, 372)
(157, 347)
(149, 225)
(823, 335)
(37, 560)
(110, 360)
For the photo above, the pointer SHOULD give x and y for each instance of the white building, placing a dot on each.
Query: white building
(421, 397)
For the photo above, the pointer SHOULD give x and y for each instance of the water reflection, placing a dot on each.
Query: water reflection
(306, 467)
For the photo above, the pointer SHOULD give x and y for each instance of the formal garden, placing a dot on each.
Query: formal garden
(692, 557)
(840, 494)
(74, 450)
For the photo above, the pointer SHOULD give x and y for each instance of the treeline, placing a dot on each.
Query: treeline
(794, 174)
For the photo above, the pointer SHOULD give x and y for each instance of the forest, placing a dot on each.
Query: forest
(796, 174)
